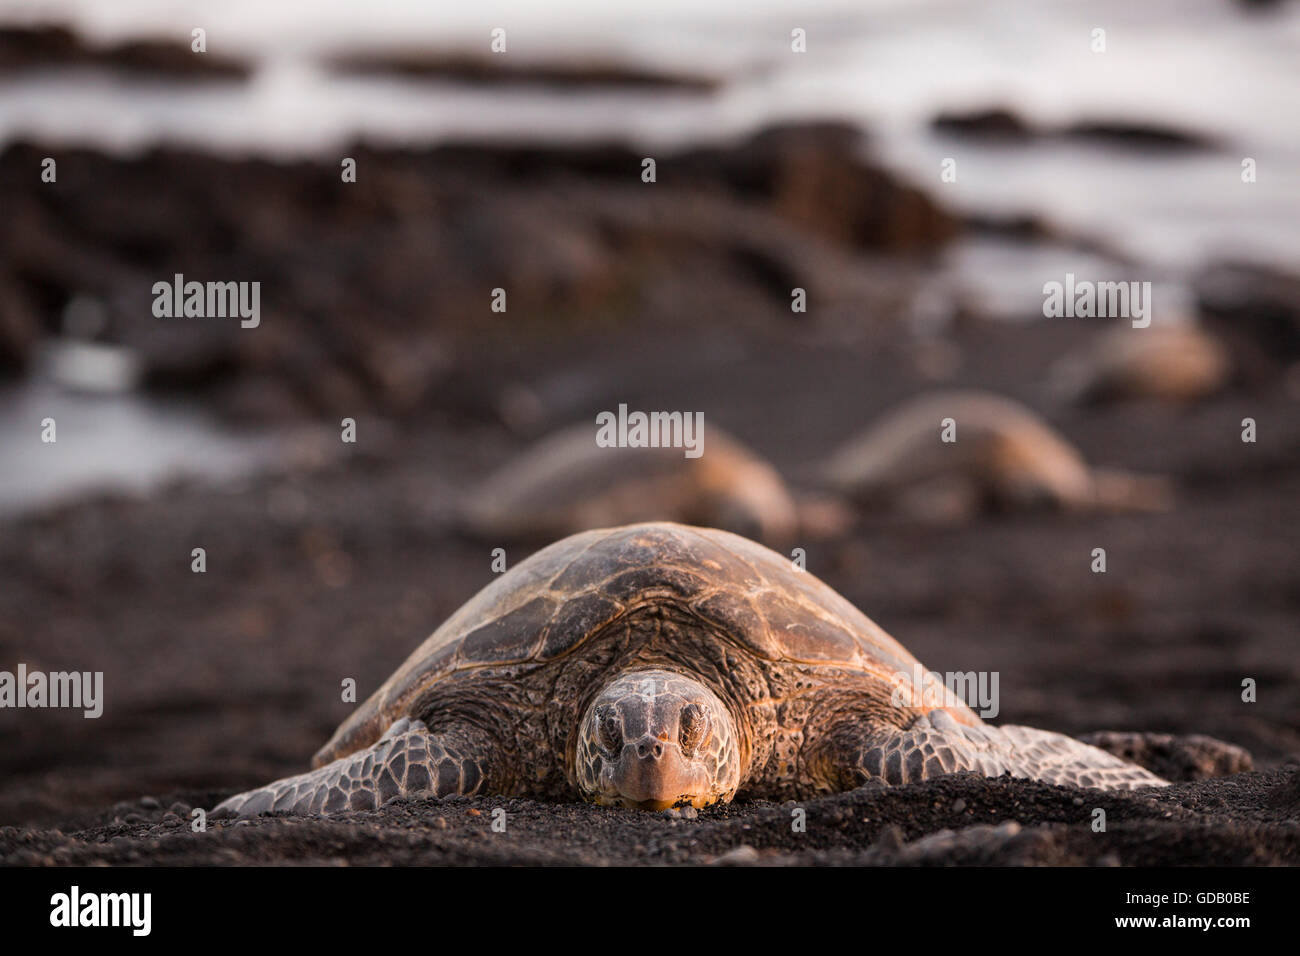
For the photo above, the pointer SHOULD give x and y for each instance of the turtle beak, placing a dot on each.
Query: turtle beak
(652, 774)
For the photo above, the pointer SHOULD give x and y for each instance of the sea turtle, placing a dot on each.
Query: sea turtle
(950, 453)
(659, 665)
(1169, 363)
(567, 483)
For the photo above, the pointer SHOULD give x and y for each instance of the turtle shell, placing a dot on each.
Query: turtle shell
(566, 483)
(549, 605)
(999, 442)
(1171, 363)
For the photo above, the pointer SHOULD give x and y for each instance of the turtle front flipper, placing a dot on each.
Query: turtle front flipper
(936, 744)
(408, 759)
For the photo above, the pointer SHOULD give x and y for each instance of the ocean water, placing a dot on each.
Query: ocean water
(1208, 65)
(123, 442)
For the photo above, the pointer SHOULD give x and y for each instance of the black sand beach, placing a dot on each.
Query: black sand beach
(333, 561)
(338, 562)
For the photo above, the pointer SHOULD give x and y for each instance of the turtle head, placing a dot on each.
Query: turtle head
(655, 739)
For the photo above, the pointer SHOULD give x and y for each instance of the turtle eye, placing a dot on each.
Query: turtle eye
(609, 732)
(694, 729)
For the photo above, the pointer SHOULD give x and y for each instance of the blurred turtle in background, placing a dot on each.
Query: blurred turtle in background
(1168, 363)
(948, 455)
(567, 483)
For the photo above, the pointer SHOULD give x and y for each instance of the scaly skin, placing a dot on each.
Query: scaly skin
(406, 760)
